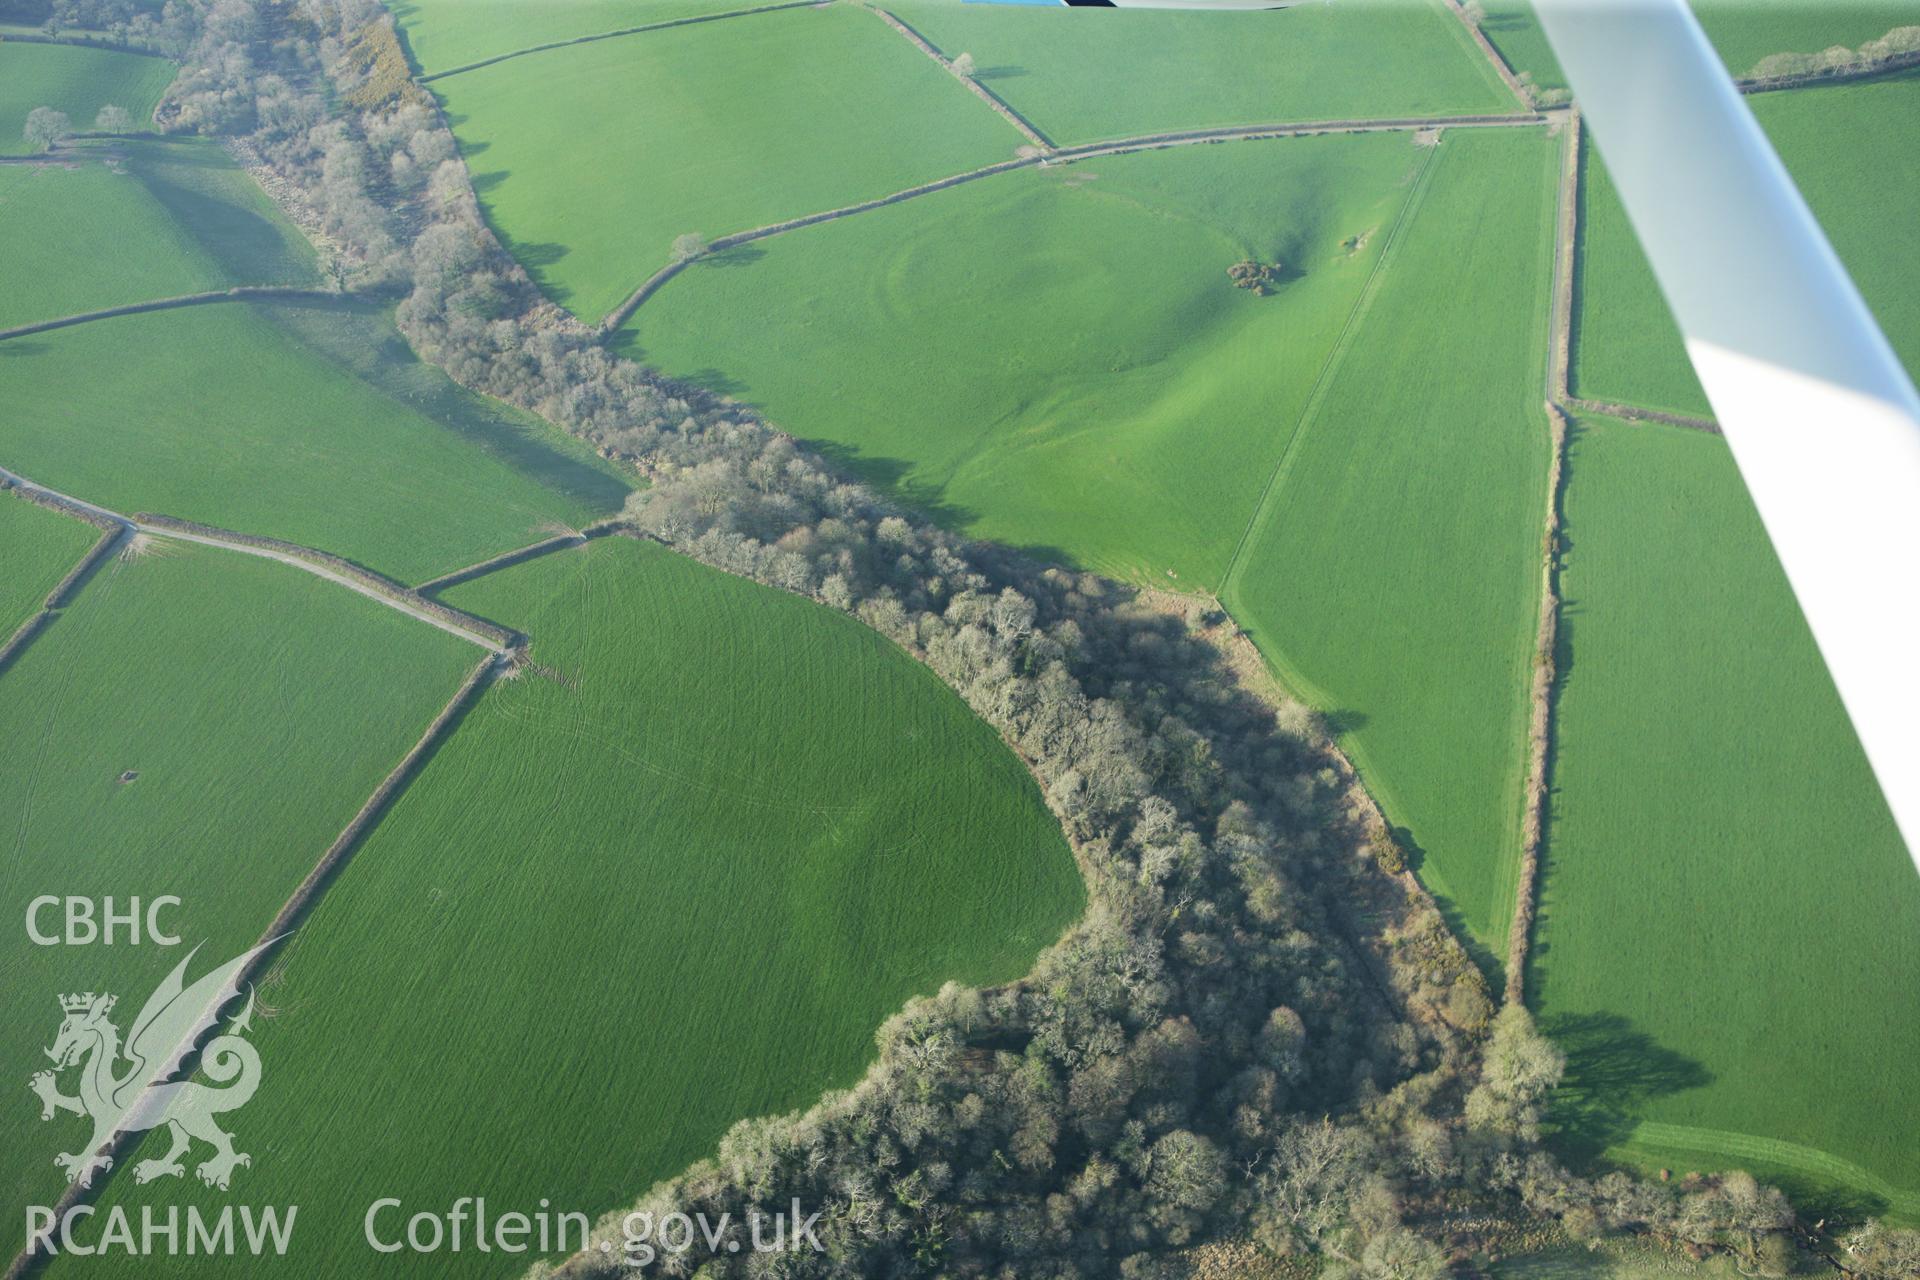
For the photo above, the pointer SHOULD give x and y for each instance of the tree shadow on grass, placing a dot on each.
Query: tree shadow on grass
(741, 255)
(358, 336)
(1614, 1071)
(999, 73)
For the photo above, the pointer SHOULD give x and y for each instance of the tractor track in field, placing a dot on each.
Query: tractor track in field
(334, 569)
(239, 293)
(1063, 155)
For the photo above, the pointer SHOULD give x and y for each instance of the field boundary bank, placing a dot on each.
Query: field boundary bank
(1084, 151)
(239, 293)
(1501, 66)
(1634, 413)
(688, 21)
(81, 40)
(56, 599)
(1543, 687)
(505, 560)
(1542, 694)
(335, 569)
(31, 1260)
(1027, 128)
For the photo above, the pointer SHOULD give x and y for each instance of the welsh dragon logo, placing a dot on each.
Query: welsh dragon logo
(129, 1087)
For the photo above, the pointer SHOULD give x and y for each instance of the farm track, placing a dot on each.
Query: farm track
(689, 21)
(362, 581)
(239, 293)
(1084, 151)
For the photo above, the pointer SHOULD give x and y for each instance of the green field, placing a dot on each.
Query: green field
(1402, 610)
(1628, 348)
(1729, 939)
(178, 217)
(39, 547)
(673, 877)
(77, 81)
(1743, 31)
(220, 414)
(1056, 359)
(444, 34)
(720, 128)
(259, 707)
(1081, 76)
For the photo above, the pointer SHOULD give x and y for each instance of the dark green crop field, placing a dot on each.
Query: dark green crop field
(672, 875)
(1628, 348)
(257, 708)
(40, 547)
(1729, 938)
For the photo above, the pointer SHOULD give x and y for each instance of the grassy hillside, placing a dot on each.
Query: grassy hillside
(1730, 928)
(1628, 347)
(1083, 75)
(178, 217)
(218, 414)
(259, 707)
(1743, 31)
(77, 81)
(673, 876)
(444, 34)
(40, 547)
(1057, 359)
(1402, 610)
(718, 128)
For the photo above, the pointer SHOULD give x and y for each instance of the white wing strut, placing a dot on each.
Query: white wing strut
(1823, 422)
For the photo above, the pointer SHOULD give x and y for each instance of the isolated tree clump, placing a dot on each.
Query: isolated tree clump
(1260, 277)
(113, 119)
(963, 66)
(46, 128)
(688, 247)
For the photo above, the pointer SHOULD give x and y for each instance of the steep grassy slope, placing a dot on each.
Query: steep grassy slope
(1082, 75)
(178, 217)
(220, 414)
(673, 875)
(77, 81)
(592, 159)
(259, 708)
(1729, 938)
(37, 548)
(1057, 359)
(1393, 575)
